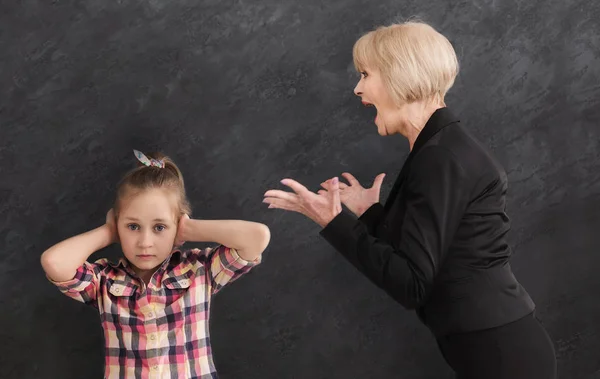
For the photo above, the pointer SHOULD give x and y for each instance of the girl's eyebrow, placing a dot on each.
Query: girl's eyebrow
(135, 219)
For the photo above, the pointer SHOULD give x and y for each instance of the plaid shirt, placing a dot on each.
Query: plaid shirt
(160, 330)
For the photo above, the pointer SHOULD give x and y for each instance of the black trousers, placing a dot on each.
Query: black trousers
(519, 350)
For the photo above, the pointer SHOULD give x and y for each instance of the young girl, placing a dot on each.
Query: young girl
(155, 302)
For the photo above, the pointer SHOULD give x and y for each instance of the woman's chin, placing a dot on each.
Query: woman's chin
(381, 130)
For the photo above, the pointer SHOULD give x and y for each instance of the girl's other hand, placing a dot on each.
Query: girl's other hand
(181, 236)
(111, 222)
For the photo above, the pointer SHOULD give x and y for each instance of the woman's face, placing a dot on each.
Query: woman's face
(372, 91)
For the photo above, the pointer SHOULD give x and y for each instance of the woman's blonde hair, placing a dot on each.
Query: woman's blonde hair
(145, 177)
(415, 61)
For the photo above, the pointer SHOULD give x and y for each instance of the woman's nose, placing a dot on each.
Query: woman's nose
(358, 89)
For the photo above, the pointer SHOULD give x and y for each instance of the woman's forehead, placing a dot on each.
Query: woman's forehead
(364, 56)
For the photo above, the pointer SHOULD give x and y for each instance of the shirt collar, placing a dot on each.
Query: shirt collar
(175, 257)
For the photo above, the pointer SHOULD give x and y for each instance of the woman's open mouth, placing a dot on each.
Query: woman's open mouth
(370, 105)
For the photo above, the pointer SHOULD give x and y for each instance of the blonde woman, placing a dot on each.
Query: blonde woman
(438, 245)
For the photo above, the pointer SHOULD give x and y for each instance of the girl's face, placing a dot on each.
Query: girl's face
(147, 228)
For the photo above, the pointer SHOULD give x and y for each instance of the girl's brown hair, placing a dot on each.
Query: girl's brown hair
(144, 177)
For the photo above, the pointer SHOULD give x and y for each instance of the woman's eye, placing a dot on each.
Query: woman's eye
(133, 226)
(364, 74)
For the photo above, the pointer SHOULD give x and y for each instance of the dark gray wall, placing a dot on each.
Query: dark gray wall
(242, 94)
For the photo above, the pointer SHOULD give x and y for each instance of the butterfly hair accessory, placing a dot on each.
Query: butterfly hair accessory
(148, 161)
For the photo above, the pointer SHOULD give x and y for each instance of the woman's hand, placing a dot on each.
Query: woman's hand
(354, 196)
(321, 208)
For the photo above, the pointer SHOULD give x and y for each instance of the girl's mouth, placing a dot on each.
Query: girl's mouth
(145, 256)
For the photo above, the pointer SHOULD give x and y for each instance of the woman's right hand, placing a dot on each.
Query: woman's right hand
(354, 196)
(111, 223)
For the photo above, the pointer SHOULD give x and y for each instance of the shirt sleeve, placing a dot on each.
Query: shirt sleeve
(436, 197)
(225, 265)
(84, 285)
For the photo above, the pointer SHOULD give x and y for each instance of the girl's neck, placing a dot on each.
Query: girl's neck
(145, 275)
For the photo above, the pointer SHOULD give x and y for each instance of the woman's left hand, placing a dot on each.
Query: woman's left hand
(321, 208)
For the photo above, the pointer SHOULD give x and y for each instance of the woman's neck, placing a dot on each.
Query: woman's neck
(419, 114)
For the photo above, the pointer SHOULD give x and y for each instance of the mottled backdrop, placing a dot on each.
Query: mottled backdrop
(244, 93)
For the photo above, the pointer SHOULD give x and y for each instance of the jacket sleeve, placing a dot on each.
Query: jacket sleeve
(436, 197)
(372, 217)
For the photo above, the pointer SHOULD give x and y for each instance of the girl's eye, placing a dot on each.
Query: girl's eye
(364, 74)
(160, 228)
(133, 226)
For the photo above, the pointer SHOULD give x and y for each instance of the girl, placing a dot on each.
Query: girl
(154, 303)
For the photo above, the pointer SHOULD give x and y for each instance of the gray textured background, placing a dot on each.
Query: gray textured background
(242, 94)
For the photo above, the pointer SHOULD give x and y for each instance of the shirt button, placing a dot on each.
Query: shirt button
(150, 314)
(153, 337)
(154, 368)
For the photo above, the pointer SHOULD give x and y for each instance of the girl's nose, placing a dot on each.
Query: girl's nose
(145, 240)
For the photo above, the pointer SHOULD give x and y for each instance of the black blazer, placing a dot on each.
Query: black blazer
(439, 243)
